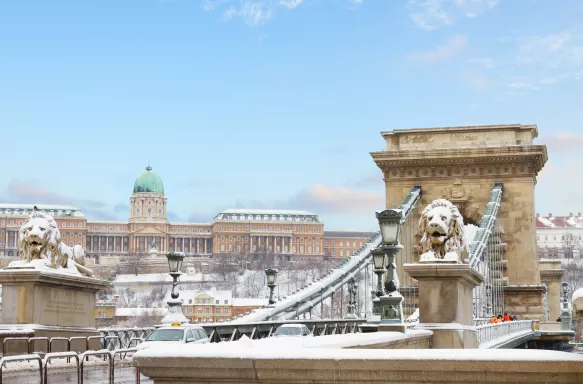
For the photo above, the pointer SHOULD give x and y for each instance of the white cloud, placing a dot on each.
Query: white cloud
(211, 5)
(255, 13)
(564, 141)
(433, 14)
(523, 86)
(291, 4)
(451, 48)
(551, 58)
(476, 80)
(229, 13)
(356, 1)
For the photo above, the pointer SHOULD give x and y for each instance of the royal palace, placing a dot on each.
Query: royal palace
(288, 235)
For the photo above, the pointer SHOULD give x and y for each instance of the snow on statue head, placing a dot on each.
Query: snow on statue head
(40, 239)
(442, 230)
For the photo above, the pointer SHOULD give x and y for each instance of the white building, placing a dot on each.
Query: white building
(559, 236)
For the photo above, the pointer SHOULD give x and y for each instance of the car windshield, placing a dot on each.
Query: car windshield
(166, 335)
(288, 331)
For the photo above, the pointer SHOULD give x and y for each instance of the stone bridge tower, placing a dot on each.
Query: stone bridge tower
(461, 164)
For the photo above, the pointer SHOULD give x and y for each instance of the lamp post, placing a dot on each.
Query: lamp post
(378, 259)
(488, 300)
(390, 304)
(565, 308)
(351, 290)
(174, 314)
(271, 274)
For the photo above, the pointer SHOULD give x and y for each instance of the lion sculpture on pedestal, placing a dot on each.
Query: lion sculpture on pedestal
(40, 239)
(444, 236)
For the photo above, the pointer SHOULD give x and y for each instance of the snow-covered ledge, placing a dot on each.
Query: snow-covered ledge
(235, 362)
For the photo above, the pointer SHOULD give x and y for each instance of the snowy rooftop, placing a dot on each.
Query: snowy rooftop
(153, 278)
(133, 312)
(249, 302)
(266, 214)
(221, 296)
(550, 221)
(26, 209)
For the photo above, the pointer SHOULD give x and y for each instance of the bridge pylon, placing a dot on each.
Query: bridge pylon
(462, 164)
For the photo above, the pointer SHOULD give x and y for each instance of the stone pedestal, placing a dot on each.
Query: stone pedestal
(49, 304)
(551, 274)
(445, 302)
(525, 301)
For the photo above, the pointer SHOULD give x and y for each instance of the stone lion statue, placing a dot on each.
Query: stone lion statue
(442, 229)
(40, 239)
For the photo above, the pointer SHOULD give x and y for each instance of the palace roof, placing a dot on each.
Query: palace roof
(26, 210)
(267, 214)
(551, 221)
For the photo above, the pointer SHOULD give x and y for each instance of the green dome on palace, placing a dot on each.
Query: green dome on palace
(149, 181)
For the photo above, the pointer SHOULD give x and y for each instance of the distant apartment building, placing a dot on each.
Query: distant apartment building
(341, 244)
(287, 234)
(212, 306)
(559, 237)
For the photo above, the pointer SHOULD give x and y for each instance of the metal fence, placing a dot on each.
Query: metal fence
(80, 361)
(264, 329)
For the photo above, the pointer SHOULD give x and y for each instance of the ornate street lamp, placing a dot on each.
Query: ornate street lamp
(378, 259)
(390, 224)
(271, 276)
(174, 314)
(488, 300)
(390, 305)
(351, 290)
(566, 317)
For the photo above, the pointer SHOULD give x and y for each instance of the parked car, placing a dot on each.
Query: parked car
(292, 330)
(180, 334)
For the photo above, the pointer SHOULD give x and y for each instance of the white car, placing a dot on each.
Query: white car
(175, 334)
(292, 330)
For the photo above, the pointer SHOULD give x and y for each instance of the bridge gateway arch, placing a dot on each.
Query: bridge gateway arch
(463, 164)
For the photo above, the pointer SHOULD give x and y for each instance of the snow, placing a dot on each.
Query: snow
(157, 278)
(266, 212)
(250, 302)
(43, 265)
(249, 349)
(134, 312)
(326, 284)
(547, 222)
(577, 294)
(16, 332)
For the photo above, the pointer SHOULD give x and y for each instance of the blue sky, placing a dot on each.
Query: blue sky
(272, 104)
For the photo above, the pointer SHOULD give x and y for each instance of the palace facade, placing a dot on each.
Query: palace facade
(289, 235)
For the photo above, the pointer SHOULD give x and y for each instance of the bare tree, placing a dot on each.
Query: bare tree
(573, 274)
(128, 297)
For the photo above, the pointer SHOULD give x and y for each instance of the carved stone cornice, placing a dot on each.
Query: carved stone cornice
(551, 274)
(524, 290)
(512, 156)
